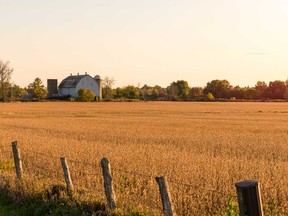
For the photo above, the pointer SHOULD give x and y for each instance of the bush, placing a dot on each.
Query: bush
(210, 97)
(85, 95)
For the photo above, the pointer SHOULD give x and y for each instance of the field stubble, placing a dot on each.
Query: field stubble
(203, 149)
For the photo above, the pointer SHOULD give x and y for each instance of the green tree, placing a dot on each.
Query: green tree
(85, 95)
(251, 93)
(178, 90)
(107, 91)
(131, 92)
(286, 92)
(37, 89)
(261, 89)
(16, 92)
(150, 93)
(154, 94)
(238, 92)
(5, 76)
(182, 88)
(195, 92)
(162, 93)
(219, 88)
(118, 93)
(276, 90)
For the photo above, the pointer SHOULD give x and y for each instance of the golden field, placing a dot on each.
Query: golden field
(202, 149)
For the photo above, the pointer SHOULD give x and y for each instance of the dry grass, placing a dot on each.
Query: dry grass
(202, 148)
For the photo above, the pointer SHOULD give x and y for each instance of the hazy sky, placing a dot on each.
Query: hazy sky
(146, 42)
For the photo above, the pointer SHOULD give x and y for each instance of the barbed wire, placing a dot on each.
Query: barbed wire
(38, 175)
(80, 162)
(200, 188)
(55, 157)
(6, 147)
(1, 152)
(190, 186)
(50, 179)
(39, 153)
(133, 173)
(175, 182)
(79, 178)
(91, 174)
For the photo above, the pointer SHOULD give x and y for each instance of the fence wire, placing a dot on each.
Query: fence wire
(133, 189)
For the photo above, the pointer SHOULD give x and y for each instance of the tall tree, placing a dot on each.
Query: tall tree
(286, 92)
(195, 92)
(276, 89)
(5, 76)
(261, 89)
(16, 92)
(238, 92)
(219, 88)
(179, 89)
(131, 92)
(118, 93)
(107, 84)
(37, 89)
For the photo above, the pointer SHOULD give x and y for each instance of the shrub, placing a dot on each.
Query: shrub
(210, 97)
(85, 95)
(231, 207)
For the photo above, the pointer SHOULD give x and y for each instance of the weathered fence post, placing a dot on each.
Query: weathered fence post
(249, 198)
(108, 186)
(69, 184)
(17, 160)
(165, 196)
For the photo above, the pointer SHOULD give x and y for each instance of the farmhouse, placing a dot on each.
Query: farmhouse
(71, 85)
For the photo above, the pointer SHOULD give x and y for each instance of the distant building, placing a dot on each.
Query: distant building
(52, 87)
(27, 97)
(71, 85)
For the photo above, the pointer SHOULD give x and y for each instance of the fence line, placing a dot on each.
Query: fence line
(80, 162)
(45, 155)
(200, 188)
(1, 152)
(39, 153)
(134, 173)
(243, 188)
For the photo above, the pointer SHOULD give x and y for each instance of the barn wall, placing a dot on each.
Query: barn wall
(90, 84)
(86, 82)
(68, 91)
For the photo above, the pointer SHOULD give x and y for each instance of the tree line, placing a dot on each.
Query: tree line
(214, 90)
(10, 91)
(177, 90)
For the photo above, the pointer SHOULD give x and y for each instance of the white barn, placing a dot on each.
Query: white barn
(71, 85)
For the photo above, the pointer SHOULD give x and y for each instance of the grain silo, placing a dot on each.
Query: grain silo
(99, 83)
(52, 85)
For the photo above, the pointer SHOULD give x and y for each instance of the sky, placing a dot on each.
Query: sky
(153, 42)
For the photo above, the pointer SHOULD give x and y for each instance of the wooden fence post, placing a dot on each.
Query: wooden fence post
(165, 196)
(17, 160)
(249, 198)
(108, 186)
(67, 176)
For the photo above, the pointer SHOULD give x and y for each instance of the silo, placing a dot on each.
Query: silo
(52, 87)
(99, 83)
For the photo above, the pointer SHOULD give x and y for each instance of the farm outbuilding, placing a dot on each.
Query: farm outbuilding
(71, 85)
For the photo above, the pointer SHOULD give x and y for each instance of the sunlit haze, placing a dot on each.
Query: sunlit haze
(146, 42)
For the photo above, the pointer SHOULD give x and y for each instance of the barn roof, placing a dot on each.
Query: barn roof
(71, 81)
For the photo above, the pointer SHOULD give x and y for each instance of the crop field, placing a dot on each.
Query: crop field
(202, 149)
